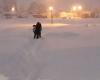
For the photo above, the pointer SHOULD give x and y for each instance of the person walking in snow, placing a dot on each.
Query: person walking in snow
(37, 30)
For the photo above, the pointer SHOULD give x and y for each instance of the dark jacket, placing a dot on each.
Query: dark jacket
(38, 28)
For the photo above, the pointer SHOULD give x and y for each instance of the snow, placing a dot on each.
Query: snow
(68, 50)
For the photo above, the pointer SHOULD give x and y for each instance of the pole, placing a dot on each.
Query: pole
(51, 16)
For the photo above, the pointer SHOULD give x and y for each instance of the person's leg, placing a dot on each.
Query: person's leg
(40, 35)
(34, 35)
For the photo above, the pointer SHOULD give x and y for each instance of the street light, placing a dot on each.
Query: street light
(13, 9)
(51, 13)
(74, 8)
(79, 8)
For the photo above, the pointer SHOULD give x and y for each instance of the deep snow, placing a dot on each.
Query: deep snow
(68, 50)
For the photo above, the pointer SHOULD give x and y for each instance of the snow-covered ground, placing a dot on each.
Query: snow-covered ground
(68, 50)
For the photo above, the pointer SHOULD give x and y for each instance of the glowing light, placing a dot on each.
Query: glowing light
(74, 8)
(13, 9)
(51, 8)
(79, 7)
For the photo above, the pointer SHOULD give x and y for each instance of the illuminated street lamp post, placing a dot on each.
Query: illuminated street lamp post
(51, 13)
(13, 9)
